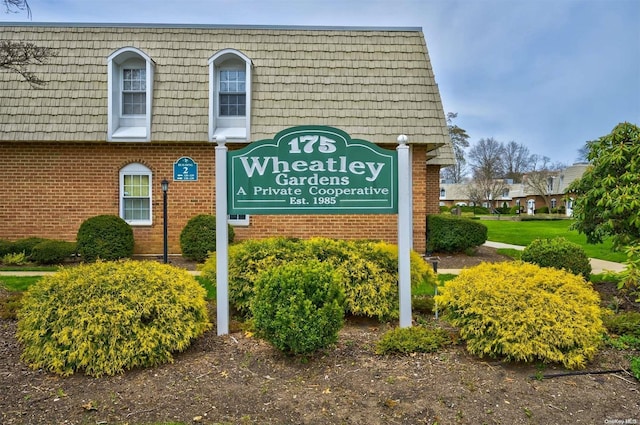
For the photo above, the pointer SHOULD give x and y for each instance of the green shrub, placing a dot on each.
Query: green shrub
(542, 210)
(52, 251)
(630, 276)
(198, 237)
(6, 247)
(105, 237)
(623, 342)
(524, 312)
(474, 210)
(558, 253)
(415, 339)
(298, 306)
(26, 245)
(627, 323)
(453, 234)
(106, 317)
(514, 210)
(635, 367)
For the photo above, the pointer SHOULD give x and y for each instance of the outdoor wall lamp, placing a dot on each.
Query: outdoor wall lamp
(165, 187)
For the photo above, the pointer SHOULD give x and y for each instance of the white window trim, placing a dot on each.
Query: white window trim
(139, 170)
(240, 133)
(115, 131)
(241, 222)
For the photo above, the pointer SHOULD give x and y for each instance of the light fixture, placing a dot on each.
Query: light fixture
(165, 186)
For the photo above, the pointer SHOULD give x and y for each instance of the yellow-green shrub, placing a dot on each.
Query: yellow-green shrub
(524, 312)
(416, 339)
(368, 270)
(369, 273)
(107, 317)
(247, 260)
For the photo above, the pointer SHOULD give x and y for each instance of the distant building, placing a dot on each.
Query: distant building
(521, 194)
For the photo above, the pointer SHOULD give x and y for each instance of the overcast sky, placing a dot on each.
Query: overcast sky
(550, 74)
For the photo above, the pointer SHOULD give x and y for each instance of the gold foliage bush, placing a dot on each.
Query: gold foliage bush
(108, 317)
(368, 270)
(524, 312)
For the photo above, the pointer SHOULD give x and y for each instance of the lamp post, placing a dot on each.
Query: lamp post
(165, 187)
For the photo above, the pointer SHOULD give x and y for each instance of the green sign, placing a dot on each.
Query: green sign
(312, 170)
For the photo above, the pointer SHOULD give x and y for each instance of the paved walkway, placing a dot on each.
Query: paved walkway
(597, 266)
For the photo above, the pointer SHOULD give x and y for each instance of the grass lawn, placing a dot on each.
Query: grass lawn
(18, 283)
(524, 232)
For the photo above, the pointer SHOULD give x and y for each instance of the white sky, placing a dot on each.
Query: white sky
(550, 74)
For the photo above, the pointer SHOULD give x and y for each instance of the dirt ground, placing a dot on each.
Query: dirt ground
(238, 379)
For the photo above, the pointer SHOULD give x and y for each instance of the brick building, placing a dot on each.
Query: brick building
(123, 103)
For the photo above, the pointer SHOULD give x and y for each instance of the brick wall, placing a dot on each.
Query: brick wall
(48, 190)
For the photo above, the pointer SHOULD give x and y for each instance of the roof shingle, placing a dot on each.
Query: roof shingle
(374, 84)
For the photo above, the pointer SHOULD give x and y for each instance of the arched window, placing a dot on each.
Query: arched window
(135, 194)
(443, 192)
(130, 85)
(230, 96)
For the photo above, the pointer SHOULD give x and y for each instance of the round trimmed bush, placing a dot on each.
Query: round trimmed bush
(198, 237)
(524, 312)
(558, 253)
(107, 317)
(297, 306)
(52, 251)
(105, 237)
(454, 234)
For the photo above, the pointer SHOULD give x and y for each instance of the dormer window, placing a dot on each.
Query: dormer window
(130, 78)
(134, 91)
(230, 96)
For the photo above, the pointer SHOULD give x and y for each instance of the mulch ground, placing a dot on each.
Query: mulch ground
(238, 379)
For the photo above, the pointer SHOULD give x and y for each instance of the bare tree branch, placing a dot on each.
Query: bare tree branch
(516, 160)
(16, 6)
(543, 179)
(17, 56)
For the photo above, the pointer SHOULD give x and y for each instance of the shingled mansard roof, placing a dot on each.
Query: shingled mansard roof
(374, 83)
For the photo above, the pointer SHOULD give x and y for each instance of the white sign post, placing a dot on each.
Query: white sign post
(222, 239)
(405, 227)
